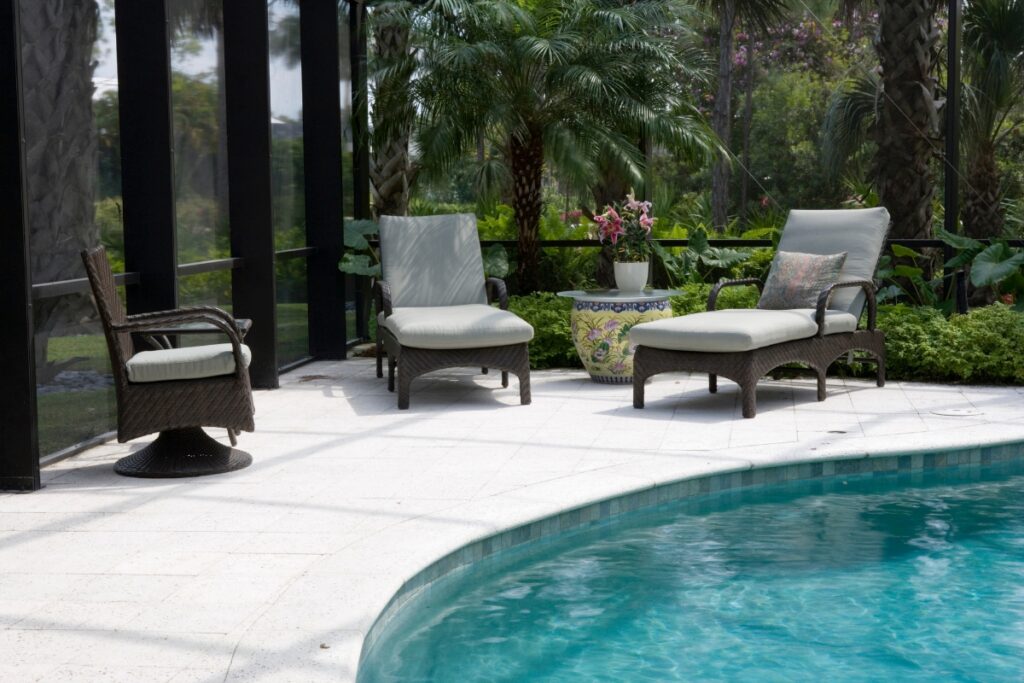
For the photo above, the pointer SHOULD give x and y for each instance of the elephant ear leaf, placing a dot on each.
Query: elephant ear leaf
(359, 264)
(356, 233)
(698, 241)
(495, 261)
(995, 264)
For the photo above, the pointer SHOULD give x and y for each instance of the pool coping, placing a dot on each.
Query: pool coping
(580, 517)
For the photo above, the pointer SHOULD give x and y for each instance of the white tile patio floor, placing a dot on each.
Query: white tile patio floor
(275, 573)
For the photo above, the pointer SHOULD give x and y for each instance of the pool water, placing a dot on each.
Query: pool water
(860, 580)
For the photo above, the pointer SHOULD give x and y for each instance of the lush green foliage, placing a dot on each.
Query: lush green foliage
(983, 346)
(552, 345)
(694, 298)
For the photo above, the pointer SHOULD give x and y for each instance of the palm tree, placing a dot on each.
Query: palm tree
(901, 115)
(392, 114)
(994, 67)
(560, 82)
(759, 14)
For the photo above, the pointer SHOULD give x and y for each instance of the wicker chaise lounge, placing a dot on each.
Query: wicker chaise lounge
(433, 305)
(744, 345)
(174, 391)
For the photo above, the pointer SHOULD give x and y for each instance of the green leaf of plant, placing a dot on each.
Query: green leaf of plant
(901, 251)
(495, 261)
(356, 233)
(698, 241)
(959, 241)
(907, 271)
(359, 264)
(996, 263)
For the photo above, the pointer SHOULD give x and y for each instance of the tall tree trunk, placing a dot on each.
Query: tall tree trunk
(61, 153)
(983, 210)
(748, 120)
(908, 130)
(392, 115)
(526, 159)
(721, 116)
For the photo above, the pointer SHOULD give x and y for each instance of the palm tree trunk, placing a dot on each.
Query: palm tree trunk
(526, 158)
(721, 116)
(907, 133)
(983, 210)
(61, 152)
(392, 117)
(748, 119)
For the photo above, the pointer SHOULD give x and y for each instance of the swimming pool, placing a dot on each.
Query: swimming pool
(857, 578)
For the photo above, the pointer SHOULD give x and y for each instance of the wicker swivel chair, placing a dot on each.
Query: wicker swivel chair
(744, 345)
(433, 307)
(174, 391)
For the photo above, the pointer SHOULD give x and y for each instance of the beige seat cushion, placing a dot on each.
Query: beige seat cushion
(190, 362)
(732, 330)
(457, 327)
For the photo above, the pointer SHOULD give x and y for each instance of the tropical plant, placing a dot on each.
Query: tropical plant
(996, 265)
(758, 14)
(699, 262)
(568, 83)
(898, 110)
(994, 66)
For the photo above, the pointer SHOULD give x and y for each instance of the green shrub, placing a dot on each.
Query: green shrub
(981, 347)
(694, 298)
(552, 345)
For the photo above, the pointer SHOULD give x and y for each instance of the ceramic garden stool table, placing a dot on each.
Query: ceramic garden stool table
(601, 320)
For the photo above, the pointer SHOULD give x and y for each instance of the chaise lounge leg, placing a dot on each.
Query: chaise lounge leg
(713, 384)
(821, 385)
(504, 379)
(638, 391)
(391, 373)
(380, 355)
(748, 394)
(525, 398)
(404, 388)
(880, 378)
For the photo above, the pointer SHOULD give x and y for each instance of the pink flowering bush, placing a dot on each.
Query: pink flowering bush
(626, 228)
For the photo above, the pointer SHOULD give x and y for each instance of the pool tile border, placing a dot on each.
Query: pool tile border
(603, 511)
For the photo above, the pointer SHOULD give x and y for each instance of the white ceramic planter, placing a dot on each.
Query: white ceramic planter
(631, 277)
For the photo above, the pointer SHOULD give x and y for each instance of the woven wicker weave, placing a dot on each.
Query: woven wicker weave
(747, 367)
(144, 408)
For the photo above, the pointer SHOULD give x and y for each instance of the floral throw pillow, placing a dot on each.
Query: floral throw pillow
(796, 279)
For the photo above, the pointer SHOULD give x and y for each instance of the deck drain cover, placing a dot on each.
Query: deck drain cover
(957, 412)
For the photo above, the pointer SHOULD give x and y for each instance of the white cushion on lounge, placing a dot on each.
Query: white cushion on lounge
(457, 327)
(432, 260)
(859, 232)
(189, 362)
(733, 330)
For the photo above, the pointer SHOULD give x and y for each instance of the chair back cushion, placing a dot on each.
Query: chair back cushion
(432, 260)
(860, 233)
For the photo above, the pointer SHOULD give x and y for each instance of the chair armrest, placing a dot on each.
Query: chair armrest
(826, 294)
(382, 297)
(142, 322)
(713, 296)
(496, 290)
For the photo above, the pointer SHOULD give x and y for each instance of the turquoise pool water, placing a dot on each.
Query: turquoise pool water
(860, 580)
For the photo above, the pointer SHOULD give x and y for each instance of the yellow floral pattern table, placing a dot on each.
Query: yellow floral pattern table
(601, 321)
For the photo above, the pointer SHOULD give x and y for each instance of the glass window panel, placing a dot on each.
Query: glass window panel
(73, 187)
(75, 393)
(206, 289)
(287, 176)
(199, 114)
(292, 311)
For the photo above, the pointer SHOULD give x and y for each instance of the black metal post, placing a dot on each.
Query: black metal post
(952, 167)
(322, 157)
(19, 437)
(360, 148)
(360, 111)
(247, 91)
(147, 157)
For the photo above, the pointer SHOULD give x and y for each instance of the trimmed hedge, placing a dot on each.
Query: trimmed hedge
(986, 346)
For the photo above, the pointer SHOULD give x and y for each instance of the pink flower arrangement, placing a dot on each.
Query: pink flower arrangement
(627, 229)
